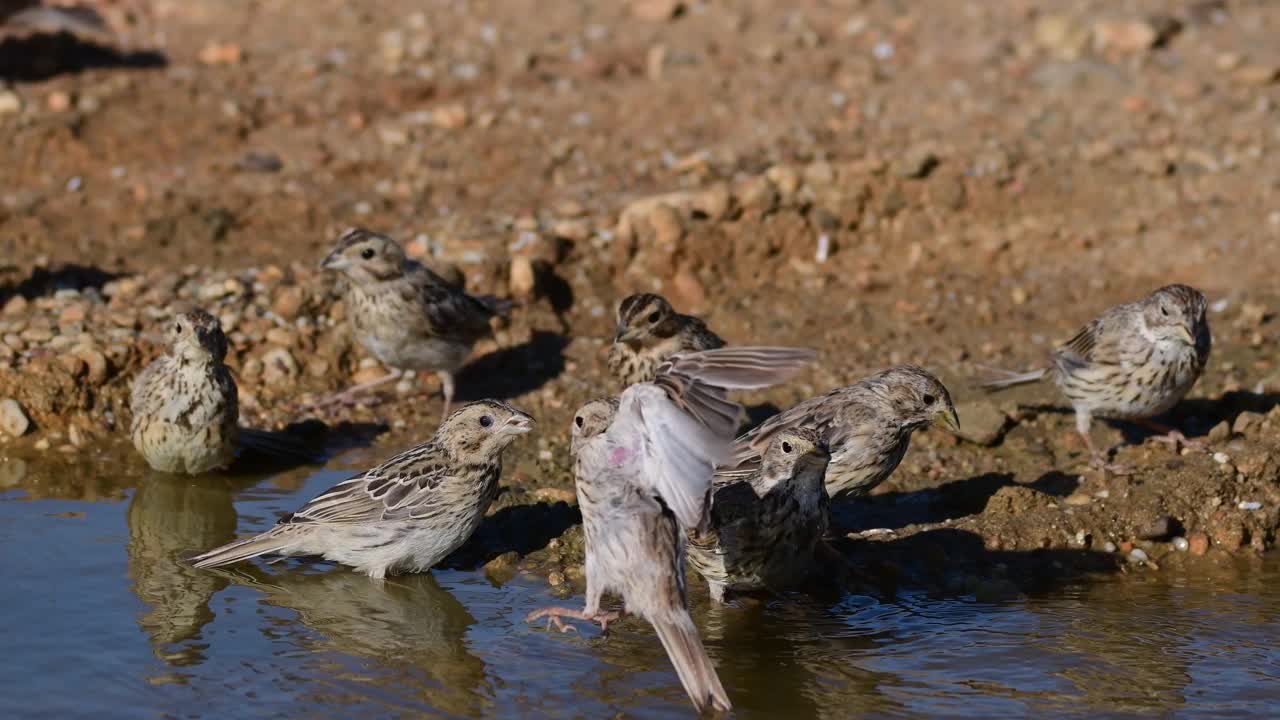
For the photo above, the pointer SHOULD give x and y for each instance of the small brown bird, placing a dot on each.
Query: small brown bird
(408, 513)
(1133, 362)
(765, 528)
(185, 403)
(867, 426)
(404, 314)
(643, 467)
(649, 332)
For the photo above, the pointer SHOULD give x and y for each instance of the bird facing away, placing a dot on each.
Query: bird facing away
(643, 467)
(867, 426)
(185, 404)
(408, 317)
(408, 513)
(764, 529)
(649, 332)
(1133, 362)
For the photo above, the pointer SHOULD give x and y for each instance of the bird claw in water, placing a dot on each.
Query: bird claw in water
(1101, 463)
(555, 618)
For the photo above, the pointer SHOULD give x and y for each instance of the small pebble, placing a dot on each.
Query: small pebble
(12, 418)
(1181, 544)
(1221, 458)
(1138, 555)
(1249, 505)
(1109, 546)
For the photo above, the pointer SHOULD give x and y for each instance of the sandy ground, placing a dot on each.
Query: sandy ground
(954, 184)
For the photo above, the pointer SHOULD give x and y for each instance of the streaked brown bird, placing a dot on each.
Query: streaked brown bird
(407, 316)
(1133, 362)
(408, 513)
(643, 467)
(185, 403)
(649, 332)
(764, 529)
(866, 426)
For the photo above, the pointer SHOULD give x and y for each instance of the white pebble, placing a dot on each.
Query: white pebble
(1221, 458)
(1109, 546)
(1249, 505)
(824, 248)
(1181, 543)
(1219, 305)
(1138, 555)
(545, 455)
(74, 184)
(12, 419)
(883, 50)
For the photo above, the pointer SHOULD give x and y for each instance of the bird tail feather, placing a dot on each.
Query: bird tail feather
(275, 540)
(1012, 379)
(697, 674)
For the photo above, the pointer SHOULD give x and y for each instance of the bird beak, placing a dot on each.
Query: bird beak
(1186, 335)
(519, 424)
(623, 334)
(948, 419)
(335, 261)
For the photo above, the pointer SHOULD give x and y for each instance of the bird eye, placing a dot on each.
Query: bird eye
(367, 253)
(1164, 311)
(578, 421)
(177, 327)
(786, 447)
(485, 421)
(653, 316)
(929, 399)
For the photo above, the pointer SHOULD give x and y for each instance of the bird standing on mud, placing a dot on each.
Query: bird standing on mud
(764, 529)
(866, 426)
(643, 466)
(408, 317)
(649, 332)
(1133, 362)
(408, 513)
(185, 404)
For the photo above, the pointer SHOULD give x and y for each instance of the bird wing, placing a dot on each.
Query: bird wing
(403, 488)
(818, 413)
(450, 312)
(1103, 341)
(682, 423)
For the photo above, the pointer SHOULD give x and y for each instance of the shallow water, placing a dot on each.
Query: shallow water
(102, 619)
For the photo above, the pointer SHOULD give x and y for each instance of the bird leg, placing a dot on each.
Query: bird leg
(1097, 458)
(347, 397)
(555, 617)
(1170, 435)
(446, 388)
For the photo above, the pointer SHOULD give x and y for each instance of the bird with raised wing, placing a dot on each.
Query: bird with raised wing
(643, 468)
(650, 331)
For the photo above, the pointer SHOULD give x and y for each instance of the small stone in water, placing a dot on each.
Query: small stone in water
(1109, 546)
(1181, 544)
(1138, 555)
(12, 419)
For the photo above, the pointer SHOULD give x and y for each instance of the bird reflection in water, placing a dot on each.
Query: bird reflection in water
(168, 516)
(413, 630)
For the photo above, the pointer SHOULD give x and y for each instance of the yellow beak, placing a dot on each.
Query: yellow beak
(948, 419)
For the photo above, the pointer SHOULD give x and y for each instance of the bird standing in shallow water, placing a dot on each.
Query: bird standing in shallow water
(1133, 362)
(408, 317)
(764, 528)
(185, 404)
(866, 426)
(643, 467)
(649, 332)
(408, 513)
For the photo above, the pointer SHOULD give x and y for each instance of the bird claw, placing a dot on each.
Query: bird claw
(1104, 465)
(555, 618)
(1175, 440)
